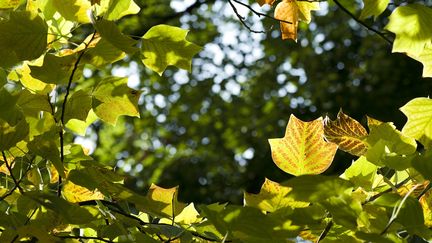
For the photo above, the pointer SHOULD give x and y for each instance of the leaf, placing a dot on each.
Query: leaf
(113, 98)
(271, 197)
(74, 193)
(361, 173)
(165, 201)
(347, 133)
(78, 106)
(102, 54)
(302, 150)
(80, 127)
(293, 11)
(33, 103)
(22, 74)
(316, 188)
(372, 122)
(118, 9)
(395, 141)
(165, 45)
(426, 59)
(262, 2)
(109, 31)
(188, 216)
(55, 69)
(4, 4)
(373, 8)
(426, 203)
(412, 25)
(419, 124)
(73, 10)
(24, 37)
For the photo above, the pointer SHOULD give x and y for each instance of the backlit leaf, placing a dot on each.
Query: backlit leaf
(55, 69)
(165, 201)
(109, 31)
(113, 98)
(117, 9)
(262, 2)
(361, 173)
(395, 141)
(412, 25)
(372, 122)
(419, 124)
(80, 127)
(347, 133)
(74, 193)
(425, 57)
(102, 54)
(9, 4)
(271, 197)
(23, 37)
(303, 150)
(165, 45)
(373, 8)
(426, 203)
(73, 10)
(78, 106)
(22, 74)
(188, 215)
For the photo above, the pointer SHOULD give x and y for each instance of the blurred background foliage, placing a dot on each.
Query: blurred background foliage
(207, 131)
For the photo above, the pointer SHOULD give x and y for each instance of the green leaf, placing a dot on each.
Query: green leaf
(396, 141)
(419, 124)
(347, 133)
(78, 106)
(361, 173)
(303, 149)
(271, 197)
(4, 4)
(22, 74)
(55, 69)
(118, 9)
(24, 37)
(73, 10)
(412, 25)
(113, 98)
(373, 8)
(102, 54)
(316, 188)
(422, 164)
(165, 45)
(167, 198)
(344, 210)
(109, 31)
(33, 103)
(80, 127)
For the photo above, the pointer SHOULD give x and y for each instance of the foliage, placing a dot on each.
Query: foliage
(52, 190)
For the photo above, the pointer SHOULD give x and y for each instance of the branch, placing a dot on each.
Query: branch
(361, 22)
(259, 14)
(373, 198)
(9, 168)
(75, 68)
(325, 231)
(82, 237)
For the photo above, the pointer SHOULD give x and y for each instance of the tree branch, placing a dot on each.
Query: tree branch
(362, 23)
(82, 237)
(325, 231)
(9, 168)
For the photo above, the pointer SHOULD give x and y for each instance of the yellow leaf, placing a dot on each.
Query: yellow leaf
(426, 203)
(303, 150)
(293, 11)
(262, 2)
(165, 201)
(4, 4)
(347, 133)
(74, 193)
(372, 122)
(288, 11)
(188, 216)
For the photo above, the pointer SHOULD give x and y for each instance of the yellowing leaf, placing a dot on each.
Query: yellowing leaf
(303, 150)
(74, 193)
(372, 122)
(373, 8)
(165, 45)
(22, 74)
(293, 11)
(9, 4)
(189, 215)
(73, 10)
(419, 124)
(165, 200)
(425, 57)
(426, 203)
(262, 2)
(412, 25)
(271, 197)
(117, 9)
(347, 133)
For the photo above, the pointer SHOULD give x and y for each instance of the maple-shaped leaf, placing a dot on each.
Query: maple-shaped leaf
(165, 45)
(412, 25)
(164, 200)
(303, 149)
(293, 11)
(271, 197)
(425, 57)
(373, 8)
(419, 124)
(74, 193)
(347, 133)
(113, 98)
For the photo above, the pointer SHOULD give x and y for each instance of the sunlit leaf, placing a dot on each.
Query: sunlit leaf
(412, 25)
(73, 10)
(426, 203)
(188, 215)
(102, 54)
(109, 31)
(9, 4)
(426, 59)
(23, 37)
(74, 193)
(117, 9)
(303, 150)
(347, 133)
(372, 122)
(55, 69)
(361, 173)
(373, 8)
(419, 124)
(80, 127)
(22, 74)
(167, 198)
(165, 45)
(395, 141)
(271, 197)
(78, 106)
(113, 98)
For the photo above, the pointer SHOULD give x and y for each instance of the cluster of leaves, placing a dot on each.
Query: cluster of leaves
(53, 191)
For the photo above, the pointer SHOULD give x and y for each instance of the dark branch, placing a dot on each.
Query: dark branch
(325, 231)
(82, 238)
(9, 168)
(361, 22)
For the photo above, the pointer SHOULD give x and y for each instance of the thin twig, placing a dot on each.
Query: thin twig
(62, 121)
(242, 19)
(325, 231)
(9, 168)
(361, 22)
(259, 14)
(82, 238)
(373, 198)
